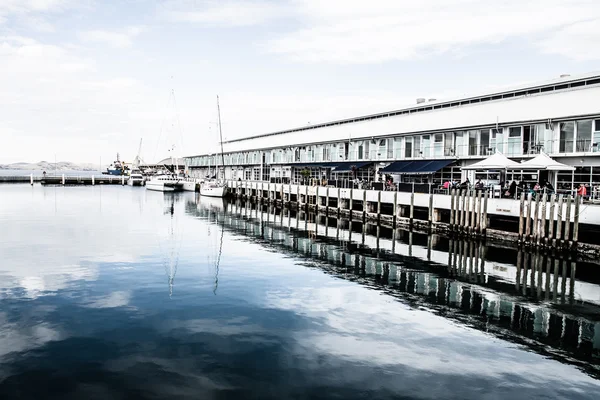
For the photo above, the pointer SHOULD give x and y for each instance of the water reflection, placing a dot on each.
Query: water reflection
(110, 319)
(531, 302)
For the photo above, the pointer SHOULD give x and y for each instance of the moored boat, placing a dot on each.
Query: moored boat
(165, 183)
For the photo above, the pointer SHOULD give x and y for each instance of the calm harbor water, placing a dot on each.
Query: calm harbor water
(118, 292)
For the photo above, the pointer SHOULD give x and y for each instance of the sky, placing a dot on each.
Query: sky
(83, 80)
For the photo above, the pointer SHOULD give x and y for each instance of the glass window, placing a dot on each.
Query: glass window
(460, 144)
(438, 145)
(473, 151)
(408, 147)
(426, 145)
(448, 147)
(514, 141)
(417, 146)
(397, 148)
(597, 125)
(484, 140)
(360, 152)
(584, 135)
(566, 137)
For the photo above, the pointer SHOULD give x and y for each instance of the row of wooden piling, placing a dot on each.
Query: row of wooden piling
(550, 229)
(468, 212)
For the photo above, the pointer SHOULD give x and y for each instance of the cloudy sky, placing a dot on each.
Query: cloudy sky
(81, 80)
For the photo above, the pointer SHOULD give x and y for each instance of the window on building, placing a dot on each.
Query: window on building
(496, 142)
(460, 143)
(515, 147)
(596, 137)
(473, 149)
(390, 149)
(438, 145)
(484, 141)
(584, 135)
(448, 144)
(417, 146)
(566, 137)
(426, 146)
(408, 146)
(360, 152)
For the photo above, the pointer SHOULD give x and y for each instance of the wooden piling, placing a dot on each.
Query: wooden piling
(317, 199)
(551, 219)
(430, 216)
(327, 201)
(568, 219)
(452, 196)
(395, 209)
(484, 222)
(351, 201)
(576, 221)
(467, 212)
(339, 202)
(378, 206)
(364, 213)
(480, 196)
(559, 218)
(412, 207)
(473, 212)
(461, 224)
(543, 222)
(521, 216)
(528, 220)
(536, 218)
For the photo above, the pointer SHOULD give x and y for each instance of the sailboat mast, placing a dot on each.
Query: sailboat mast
(221, 137)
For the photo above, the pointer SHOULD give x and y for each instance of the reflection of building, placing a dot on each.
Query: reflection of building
(458, 284)
(559, 117)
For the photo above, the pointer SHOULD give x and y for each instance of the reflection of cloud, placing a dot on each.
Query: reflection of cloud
(111, 300)
(230, 327)
(367, 327)
(24, 334)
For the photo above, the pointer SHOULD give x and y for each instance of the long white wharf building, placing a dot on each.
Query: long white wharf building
(560, 117)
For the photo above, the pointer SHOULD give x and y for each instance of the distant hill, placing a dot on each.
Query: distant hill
(50, 166)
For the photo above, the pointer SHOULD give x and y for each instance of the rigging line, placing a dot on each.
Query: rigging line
(162, 124)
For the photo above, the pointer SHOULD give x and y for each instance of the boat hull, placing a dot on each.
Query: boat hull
(160, 186)
(135, 182)
(213, 191)
(190, 186)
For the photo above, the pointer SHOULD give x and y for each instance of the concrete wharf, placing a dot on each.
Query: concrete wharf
(67, 179)
(546, 222)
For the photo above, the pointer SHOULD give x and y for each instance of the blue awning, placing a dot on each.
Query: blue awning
(418, 167)
(347, 166)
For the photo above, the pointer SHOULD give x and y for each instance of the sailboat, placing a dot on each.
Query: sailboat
(170, 181)
(214, 187)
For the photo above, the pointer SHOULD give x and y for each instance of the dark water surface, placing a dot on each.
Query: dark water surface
(122, 293)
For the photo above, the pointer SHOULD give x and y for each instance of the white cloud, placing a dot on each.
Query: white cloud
(384, 30)
(577, 41)
(122, 39)
(225, 12)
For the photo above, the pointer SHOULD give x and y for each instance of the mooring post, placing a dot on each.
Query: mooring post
(479, 205)
(536, 218)
(430, 211)
(461, 223)
(351, 200)
(412, 206)
(521, 216)
(63, 179)
(378, 206)
(468, 212)
(452, 195)
(542, 233)
(93, 180)
(559, 218)
(473, 212)
(528, 216)
(551, 220)
(576, 222)
(122, 180)
(484, 222)
(31, 179)
(568, 219)
(339, 201)
(395, 210)
(364, 214)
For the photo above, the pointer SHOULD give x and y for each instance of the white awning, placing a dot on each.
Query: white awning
(542, 162)
(495, 162)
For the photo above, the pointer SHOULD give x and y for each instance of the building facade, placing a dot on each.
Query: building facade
(560, 118)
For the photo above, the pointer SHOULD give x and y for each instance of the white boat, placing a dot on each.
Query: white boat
(165, 183)
(190, 184)
(213, 189)
(135, 178)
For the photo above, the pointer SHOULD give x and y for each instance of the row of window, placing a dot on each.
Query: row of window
(564, 137)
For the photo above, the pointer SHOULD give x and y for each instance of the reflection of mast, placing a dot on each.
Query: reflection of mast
(171, 269)
(219, 256)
